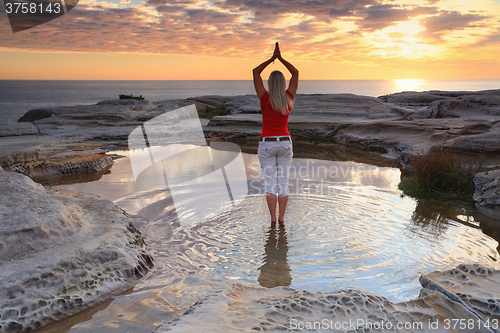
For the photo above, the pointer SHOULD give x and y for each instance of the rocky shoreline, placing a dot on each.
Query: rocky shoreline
(68, 144)
(72, 140)
(61, 253)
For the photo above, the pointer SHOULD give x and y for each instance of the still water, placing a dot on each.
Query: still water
(347, 226)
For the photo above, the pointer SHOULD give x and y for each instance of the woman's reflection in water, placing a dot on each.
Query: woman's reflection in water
(275, 270)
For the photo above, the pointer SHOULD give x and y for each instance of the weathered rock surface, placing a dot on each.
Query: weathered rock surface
(487, 187)
(61, 253)
(65, 164)
(62, 141)
(478, 287)
(210, 101)
(395, 125)
(487, 192)
(399, 124)
(445, 296)
(243, 104)
(329, 106)
(466, 122)
(468, 106)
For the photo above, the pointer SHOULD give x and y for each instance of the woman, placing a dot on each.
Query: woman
(275, 146)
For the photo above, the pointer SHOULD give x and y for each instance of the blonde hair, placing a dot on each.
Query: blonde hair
(280, 101)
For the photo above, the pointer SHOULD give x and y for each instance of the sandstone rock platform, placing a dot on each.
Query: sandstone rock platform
(466, 122)
(61, 253)
(446, 298)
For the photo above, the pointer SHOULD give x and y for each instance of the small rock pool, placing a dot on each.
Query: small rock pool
(347, 226)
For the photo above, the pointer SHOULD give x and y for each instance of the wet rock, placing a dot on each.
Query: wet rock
(20, 149)
(487, 192)
(61, 253)
(475, 128)
(65, 164)
(444, 296)
(416, 99)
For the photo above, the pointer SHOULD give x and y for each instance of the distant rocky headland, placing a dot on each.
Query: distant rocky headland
(52, 262)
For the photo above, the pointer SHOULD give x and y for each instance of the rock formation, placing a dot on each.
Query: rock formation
(466, 122)
(487, 192)
(61, 253)
(447, 299)
(66, 141)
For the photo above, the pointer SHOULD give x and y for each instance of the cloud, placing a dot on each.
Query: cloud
(209, 16)
(314, 30)
(446, 21)
(378, 17)
(491, 39)
(396, 34)
(268, 10)
(169, 9)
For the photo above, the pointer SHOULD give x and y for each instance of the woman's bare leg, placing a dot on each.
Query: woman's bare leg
(272, 200)
(282, 201)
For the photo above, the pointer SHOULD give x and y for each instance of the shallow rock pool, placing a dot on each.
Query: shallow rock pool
(347, 226)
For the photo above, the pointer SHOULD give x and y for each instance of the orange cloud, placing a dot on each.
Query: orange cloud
(365, 33)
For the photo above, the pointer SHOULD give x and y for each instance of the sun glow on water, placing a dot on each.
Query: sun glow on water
(408, 84)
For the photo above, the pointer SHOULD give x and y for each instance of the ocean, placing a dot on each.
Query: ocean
(19, 96)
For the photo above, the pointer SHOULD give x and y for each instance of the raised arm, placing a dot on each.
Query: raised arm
(257, 79)
(294, 80)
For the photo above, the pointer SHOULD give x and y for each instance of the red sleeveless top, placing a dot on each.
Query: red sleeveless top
(273, 123)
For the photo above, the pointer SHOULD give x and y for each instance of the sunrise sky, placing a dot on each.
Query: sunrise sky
(325, 39)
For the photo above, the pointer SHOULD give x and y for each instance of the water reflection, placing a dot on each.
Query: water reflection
(275, 271)
(428, 220)
(348, 227)
(408, 85)
(436, 220)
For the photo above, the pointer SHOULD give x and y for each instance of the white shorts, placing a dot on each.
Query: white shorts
(275, 159)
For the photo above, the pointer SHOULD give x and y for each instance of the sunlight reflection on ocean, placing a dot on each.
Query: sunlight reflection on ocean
(347, 226)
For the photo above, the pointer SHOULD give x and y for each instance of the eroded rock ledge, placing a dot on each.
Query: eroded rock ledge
(44, 140)
(467, 122)
(61, 253)
(64, 141)
(468, 294)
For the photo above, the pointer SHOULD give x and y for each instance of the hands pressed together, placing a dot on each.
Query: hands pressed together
(294, 80)
(277, 52)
